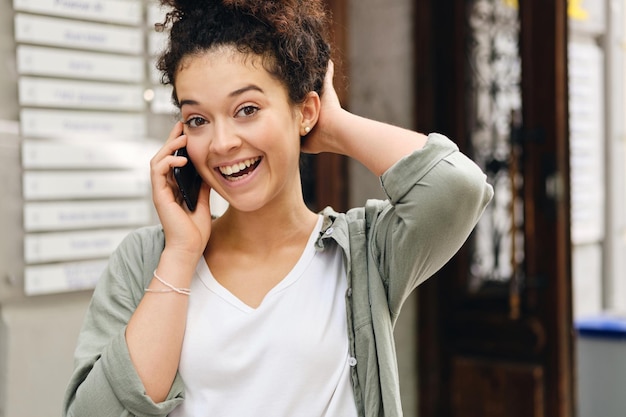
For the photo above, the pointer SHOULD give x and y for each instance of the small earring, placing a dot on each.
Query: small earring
(307, 129)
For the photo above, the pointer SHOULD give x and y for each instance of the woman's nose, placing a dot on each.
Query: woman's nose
(223, 140)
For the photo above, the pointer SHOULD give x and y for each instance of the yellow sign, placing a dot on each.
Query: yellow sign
(576, 11)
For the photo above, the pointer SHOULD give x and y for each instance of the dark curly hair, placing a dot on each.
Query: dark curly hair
(291, 36)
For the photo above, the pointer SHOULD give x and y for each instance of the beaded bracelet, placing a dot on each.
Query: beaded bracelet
(170, 287)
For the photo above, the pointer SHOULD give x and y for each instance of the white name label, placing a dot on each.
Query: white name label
(56, 185)
(153, 73)
(162, 101)
(44, 92)
(37, 60)
(587, 142)
(157, 42)
(155, 13)
(81, 35)
(87, 154)
(65, 246)
(68, 215)
(61, 277)
(114, 11)
(64, 124)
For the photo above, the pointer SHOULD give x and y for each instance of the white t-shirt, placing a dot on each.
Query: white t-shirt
(286, 358)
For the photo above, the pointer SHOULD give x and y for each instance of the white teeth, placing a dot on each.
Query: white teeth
(235, 168)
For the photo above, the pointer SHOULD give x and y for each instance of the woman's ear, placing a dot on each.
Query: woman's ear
(310, 111)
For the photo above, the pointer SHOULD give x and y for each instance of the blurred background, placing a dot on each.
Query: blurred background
(528, 318)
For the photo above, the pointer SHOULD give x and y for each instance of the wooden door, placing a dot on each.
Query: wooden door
(495, 332)
(324, 176)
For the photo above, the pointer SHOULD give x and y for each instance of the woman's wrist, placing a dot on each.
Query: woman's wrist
(329, 134)
(178, 261)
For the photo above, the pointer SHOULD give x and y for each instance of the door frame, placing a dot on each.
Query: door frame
(440, 65)
(330, 171)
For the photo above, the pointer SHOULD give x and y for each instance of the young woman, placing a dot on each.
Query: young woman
(270, 309)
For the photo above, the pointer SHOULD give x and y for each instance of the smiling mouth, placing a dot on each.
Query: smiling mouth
(239, 171)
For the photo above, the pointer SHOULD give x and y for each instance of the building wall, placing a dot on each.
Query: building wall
(615, 294)
(38, 333)
(381, 87)
(597, 149)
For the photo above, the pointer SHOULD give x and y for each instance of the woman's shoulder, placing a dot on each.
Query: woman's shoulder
(146, 236)
(136, 256)
(142, 246)
(359, 217)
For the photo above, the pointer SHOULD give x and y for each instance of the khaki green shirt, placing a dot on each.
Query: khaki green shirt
(435, 197)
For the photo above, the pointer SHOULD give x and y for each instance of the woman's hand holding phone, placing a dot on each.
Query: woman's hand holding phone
(185, 230)
(188, 180)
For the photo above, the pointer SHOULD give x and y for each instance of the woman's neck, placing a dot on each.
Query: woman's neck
(263, 229)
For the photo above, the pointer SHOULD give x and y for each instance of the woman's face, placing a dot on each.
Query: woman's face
(243, 133)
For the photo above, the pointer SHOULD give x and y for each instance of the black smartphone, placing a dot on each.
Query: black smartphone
(188, 180)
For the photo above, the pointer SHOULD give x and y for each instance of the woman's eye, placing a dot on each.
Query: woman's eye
(195, 121)
(247, 111)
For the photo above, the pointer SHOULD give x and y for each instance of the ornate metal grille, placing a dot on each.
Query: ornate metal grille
(494, 103)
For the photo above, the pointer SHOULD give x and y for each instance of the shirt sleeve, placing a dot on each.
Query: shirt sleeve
(436, 195)
(104, 381)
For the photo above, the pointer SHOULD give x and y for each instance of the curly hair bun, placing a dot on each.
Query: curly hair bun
(293, 34)
(281, 15)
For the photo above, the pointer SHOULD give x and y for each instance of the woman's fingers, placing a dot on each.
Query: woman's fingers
(321, 137)
(330, 73)
(184, 229)
(175, 141)
(202, 215)
(329, 95)
(164, 187)
(204, 196)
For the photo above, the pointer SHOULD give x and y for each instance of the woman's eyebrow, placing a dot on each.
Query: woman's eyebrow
(246, 88)
(188, 102)
(235, 93)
